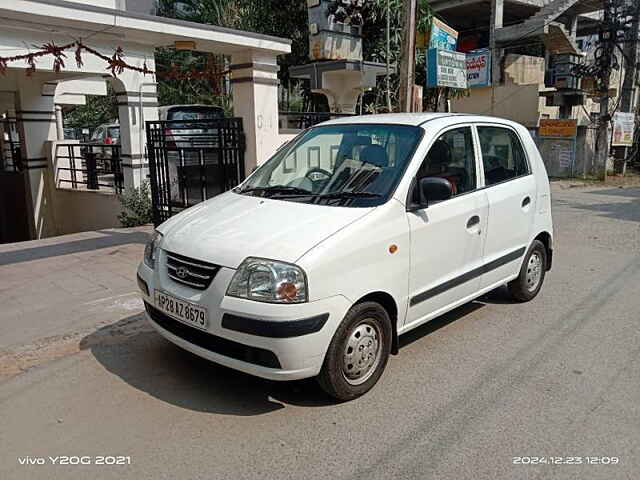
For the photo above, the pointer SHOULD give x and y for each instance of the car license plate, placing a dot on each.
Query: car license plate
(186, 312)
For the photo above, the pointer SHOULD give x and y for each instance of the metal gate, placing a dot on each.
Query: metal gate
(191, 161)
(10, 156)
(14, 219)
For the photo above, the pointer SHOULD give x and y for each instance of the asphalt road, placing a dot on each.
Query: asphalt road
(493, 380)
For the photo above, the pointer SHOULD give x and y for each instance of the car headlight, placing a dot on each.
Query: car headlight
(269, 281)
(151, 249)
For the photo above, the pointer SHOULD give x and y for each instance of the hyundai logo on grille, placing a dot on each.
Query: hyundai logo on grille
(182, 272)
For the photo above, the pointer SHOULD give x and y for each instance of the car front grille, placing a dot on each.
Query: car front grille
(188, 271)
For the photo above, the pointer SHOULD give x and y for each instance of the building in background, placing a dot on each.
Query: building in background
(534, 46)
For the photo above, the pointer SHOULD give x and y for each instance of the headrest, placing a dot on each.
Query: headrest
(376, 155)
(439, 154)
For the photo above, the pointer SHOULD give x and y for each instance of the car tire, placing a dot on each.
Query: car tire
(532, 273)
(358, 352)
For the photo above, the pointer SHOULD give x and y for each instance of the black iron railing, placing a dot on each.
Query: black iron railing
(10, 155)
(82, 166)
(302, 120)
(192, 161)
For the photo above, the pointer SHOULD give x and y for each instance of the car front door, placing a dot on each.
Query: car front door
(447, 237)
(511, 190)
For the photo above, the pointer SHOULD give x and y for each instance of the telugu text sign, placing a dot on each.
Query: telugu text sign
(558, 128)
(479, 68)
(446, 69)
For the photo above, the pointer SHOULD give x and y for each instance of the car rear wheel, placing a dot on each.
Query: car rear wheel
(358, 352)
(532, 273)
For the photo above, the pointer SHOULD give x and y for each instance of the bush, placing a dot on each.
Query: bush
(136, 203)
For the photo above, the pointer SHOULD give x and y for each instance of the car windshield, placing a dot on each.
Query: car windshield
(342, 165)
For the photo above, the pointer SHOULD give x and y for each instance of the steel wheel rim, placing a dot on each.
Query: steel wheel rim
(534, 271)
(362, 353)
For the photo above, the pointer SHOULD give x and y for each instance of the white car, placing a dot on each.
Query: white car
(354, 233)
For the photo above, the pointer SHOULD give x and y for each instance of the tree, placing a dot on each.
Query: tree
(98, 110)
(375, 43)
(269, 17)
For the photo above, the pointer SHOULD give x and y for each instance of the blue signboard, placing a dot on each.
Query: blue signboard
(446, 69)
(442, 36)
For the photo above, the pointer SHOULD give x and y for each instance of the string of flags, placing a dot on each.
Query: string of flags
(116, 64)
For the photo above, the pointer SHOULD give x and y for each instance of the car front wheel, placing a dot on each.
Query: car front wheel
(358, 352)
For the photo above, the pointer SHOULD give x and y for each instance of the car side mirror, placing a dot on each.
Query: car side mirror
(433, 189)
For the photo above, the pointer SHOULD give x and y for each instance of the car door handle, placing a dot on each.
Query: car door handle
(473, 221)
(526, 201)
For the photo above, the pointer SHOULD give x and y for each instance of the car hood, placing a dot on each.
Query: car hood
(231, 227)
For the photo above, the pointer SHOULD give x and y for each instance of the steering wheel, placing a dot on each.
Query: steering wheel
(317, 170)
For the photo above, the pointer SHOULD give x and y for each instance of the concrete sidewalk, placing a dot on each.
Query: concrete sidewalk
(54, 291)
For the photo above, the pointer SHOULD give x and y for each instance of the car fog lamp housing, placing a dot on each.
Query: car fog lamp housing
(269, 281)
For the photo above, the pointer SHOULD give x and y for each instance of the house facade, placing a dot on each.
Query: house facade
(34, 203)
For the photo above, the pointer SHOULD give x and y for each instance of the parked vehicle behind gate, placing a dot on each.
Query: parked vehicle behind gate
(190, 144)
(354, 233)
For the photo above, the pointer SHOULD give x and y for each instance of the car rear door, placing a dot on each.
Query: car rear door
(511, 191)
(447, 238)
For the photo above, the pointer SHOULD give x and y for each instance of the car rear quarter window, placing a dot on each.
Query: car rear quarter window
(503, 156)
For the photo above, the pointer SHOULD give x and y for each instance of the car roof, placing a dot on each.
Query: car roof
(417, 119)
(195, 105)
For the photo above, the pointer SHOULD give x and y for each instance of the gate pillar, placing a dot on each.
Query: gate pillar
(137, 104)
(36, 125)
(255, 100)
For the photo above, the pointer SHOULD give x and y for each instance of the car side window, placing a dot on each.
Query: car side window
(503, 156)
(452, 157)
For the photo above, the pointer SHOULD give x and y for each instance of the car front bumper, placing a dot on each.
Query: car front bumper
(278, 342)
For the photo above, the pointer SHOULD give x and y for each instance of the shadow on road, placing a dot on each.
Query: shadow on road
(109, 238)
(133, 351)
(138, 355)
(618, 210)
(438, 323)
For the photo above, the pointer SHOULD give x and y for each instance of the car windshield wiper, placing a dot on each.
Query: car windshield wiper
(278, 189)
(347, 194)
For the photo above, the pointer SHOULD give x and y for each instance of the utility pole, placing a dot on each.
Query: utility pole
(388, 54)
(408, 60)
(632, 55)
(497, 21)
(607, 40)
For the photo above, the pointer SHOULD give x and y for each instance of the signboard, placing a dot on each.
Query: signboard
(558, 128)
(623, 128)
(442, 36)
(446, 69)
(479, 68)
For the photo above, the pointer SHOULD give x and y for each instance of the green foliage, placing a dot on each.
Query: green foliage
(269, 17)
(136, 204)
(98, 110)
(282, 18)
(375, 45)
